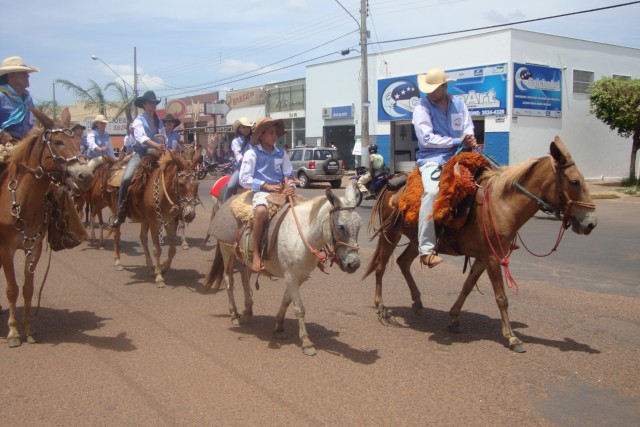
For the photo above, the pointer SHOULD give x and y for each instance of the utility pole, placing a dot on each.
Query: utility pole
(54, 102)
(135, 81)
(364, 86)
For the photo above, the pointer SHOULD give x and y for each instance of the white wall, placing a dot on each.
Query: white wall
(253, 113)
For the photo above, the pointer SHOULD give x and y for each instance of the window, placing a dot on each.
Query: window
(582, 80)
(324, 154)
(295, 155)
(620, 77)
(307, 154)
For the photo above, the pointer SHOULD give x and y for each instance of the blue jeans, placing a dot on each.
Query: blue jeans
(134, 161)
(426, 226)
(232, 186)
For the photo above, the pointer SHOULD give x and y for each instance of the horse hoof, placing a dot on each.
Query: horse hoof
(14, 342)
(159, 284)
(236, 321)
(518, 348)
(31, 339)
(119, 267)
(417, 307)
(185, 247)
(309, 351)
(101, 248)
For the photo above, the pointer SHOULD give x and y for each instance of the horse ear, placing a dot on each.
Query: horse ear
(559, 151)
(176, 159)
(65, 118)
(197, 154)
(335, 201)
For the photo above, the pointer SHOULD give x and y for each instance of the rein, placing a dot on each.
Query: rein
(182, 201)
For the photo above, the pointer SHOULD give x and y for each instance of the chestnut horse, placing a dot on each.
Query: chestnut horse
(43, 157)
(193, 153)
(164, 189)
(501, 207)
(98, 197)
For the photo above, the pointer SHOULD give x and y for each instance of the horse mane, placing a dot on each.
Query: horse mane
(147, 165)
(503, 182)
(317, 203)
(22, 150)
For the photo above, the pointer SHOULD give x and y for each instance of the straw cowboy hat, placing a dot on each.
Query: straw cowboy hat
(100, 118)
(242, 121)
(431, 81)
(149, 96)
(265, 123)
(15, 64)
(78, 125)
(170, 118)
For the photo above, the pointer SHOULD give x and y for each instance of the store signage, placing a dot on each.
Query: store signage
(483, 89)
(537, 91)
(345, 112)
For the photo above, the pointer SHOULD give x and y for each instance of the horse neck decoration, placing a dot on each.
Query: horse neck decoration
(169, 192)
(503, 204)
(325, 221)
(43, 157)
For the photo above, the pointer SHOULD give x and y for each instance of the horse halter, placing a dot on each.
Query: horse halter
(565, 201)
(336, 242)
(39, 171)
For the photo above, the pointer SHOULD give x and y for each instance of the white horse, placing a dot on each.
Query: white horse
(326, 221)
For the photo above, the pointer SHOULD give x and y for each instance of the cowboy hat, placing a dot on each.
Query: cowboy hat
(431, 81)
(149, 96)
(100, 118)
(265, 123)
(15, 64)
(242, 121)
(170, 118)
(78, 125)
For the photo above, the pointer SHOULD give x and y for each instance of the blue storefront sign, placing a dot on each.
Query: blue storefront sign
(345, 112)
(483, 89)
(537, 91)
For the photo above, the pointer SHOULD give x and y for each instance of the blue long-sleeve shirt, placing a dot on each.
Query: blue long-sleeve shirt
(95, 140)
(8, 104)
(259, 167)
(439, 133)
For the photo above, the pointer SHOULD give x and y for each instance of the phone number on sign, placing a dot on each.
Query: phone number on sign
(494, 112)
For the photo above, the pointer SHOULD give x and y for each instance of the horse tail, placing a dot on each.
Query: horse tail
(216, 272)
(384, 221)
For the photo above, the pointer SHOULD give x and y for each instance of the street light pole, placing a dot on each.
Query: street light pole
(54, 102)
(364, 82)
(135, 80)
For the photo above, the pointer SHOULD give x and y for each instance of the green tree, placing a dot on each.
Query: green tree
(617, 103)
(95, 98)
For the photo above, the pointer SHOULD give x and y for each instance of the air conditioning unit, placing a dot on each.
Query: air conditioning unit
(326, 113)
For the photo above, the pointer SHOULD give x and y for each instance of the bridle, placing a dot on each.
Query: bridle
(183, 202)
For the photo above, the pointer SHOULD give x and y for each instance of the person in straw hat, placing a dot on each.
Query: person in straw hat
(98, 139)
(442, 123)
(241, 143)
(17, 116)
(172, 136)
(263, 170)
(147, 132)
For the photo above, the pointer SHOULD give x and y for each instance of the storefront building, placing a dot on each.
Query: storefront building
(522, 89)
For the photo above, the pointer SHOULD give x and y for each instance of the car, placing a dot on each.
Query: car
(317, 164)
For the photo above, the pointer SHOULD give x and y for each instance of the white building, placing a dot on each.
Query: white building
(523, 88)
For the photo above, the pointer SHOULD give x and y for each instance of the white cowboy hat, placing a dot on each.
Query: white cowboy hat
(15, 64)
(431, 81)
(242, 121)
(100, 118)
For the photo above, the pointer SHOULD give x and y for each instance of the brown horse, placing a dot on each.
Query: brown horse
(98, 197)
(26, 210)
(187, 152)
(163, 191)
(499, 210)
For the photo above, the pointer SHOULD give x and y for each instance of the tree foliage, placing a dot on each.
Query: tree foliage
(617, 104)
(95, 98)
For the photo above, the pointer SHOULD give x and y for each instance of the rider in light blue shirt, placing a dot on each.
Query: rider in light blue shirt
(16, 105)
(98, 139)
(172, 136)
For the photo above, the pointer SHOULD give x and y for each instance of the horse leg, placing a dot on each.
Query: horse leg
(182, 231)
(13, 338)
(386, 245)
(171, 253)
(279, 330)
(229, 264)
(477, 268)
(27, 293)
(248, 296)
(157, 252)
(101, 226)
(294, 292)
(116, 248)
(495, 274)
(144, 230)
(91, 222)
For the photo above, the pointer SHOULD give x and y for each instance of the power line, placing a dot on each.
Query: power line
(448, 33)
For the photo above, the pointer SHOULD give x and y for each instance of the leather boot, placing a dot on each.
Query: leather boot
(121, 216)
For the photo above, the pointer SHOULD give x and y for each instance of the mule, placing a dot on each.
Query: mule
(163, 191)
(44, 157)
(500, 209)
(325, 221)
(193, 153)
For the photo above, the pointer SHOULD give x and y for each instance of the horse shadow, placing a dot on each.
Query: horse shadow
(261, 327)
(56, 326)
(174, 277)
(476, 327)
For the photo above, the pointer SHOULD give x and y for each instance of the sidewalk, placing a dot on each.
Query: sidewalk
(605, 190)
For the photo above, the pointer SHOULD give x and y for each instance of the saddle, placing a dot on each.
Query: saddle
(455, 198)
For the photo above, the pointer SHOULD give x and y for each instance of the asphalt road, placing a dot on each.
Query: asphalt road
(116, 350)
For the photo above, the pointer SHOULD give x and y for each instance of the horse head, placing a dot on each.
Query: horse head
(185, 186)
(575, 200)
(342, 233)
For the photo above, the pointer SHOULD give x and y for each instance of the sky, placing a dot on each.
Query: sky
(191, 47)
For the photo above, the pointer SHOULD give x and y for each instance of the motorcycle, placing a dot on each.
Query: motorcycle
(214, 169)
(375, 185)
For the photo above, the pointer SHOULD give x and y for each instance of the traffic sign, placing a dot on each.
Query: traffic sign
(221, 108)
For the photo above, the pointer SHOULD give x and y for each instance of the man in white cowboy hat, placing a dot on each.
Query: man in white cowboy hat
(241, 143)
(16, 106)
(98, 139)
(147, 132)
(442, 123)
(172, 136)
